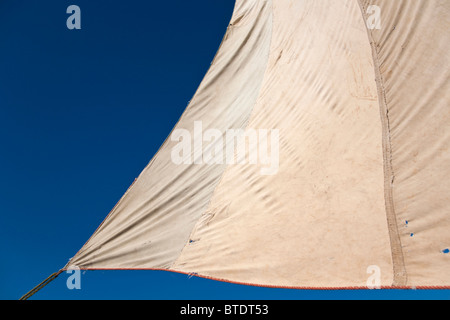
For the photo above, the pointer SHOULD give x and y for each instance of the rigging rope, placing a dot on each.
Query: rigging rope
(49, 279)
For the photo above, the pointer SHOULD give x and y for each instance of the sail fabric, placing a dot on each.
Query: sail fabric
(356, 117)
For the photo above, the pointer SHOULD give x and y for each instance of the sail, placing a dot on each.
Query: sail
(314, 154)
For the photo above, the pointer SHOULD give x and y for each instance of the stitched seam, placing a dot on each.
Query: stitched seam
(400, 274)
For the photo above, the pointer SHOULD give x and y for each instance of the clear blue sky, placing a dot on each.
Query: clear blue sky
(81, 114)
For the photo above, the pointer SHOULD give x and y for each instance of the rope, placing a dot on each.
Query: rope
(50, 278)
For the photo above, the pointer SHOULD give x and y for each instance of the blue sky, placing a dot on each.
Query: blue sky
(82, 112)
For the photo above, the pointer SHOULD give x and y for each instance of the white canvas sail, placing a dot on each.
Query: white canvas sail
(354, 96)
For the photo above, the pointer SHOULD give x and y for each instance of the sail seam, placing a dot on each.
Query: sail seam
(399, 270)
(245, 127)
